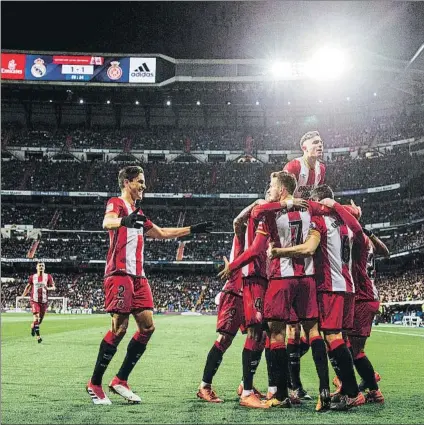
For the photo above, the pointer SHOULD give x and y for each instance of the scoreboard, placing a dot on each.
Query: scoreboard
(85, 68)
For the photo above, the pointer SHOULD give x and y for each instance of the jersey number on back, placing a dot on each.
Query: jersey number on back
(296, 232)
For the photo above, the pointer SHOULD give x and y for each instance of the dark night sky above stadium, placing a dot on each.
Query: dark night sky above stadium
(213, 29)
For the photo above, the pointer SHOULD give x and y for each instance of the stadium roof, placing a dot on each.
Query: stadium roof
(211, 30)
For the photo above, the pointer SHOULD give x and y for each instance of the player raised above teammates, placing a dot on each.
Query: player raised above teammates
(38, 286)
(334, 238)
(309, 172)
(127, 290)
(308, 169)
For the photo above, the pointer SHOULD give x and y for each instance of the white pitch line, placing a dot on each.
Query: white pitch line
(397, 333)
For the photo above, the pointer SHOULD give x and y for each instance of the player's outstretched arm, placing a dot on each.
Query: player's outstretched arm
(306, 249)
(157, 232)
(379, 245)
(259, 245)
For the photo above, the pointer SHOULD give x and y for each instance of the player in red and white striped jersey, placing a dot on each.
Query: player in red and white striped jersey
(292, 289)
(331, 239)
(308, 169)
(309, 172)
(230, 319)
(254, 284)
(365, 248)
(253, 262)
(39, 284)
(127, 290)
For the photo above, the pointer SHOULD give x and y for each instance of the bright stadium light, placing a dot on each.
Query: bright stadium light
(198, 103)
(168, 103)
(81, 101)
(375, 94)
(289, 103)
(281, 70)
(326, 64)
(108, 102)
(137, 102)
(257, 103)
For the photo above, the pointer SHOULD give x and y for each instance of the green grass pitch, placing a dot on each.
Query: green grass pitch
(45, 383)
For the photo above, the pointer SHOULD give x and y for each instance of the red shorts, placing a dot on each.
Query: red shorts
(336, 310)
(291, 299)
(124, 293)
(254, 289)
(363, 317)
(39, 308)
(230, 314)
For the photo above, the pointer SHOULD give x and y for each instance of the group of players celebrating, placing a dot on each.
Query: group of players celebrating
(299, 263)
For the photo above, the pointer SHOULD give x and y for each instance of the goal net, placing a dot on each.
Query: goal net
(55, 304)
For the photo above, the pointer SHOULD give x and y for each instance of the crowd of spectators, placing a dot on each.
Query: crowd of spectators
(89, 246)
(177, 291)
(283, 135)
(201, 178)
(63, 217)
(405, 286)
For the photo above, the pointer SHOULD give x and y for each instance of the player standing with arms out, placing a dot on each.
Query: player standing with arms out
(335, 287)
(127, 290)
(309, 172)
(39, 284)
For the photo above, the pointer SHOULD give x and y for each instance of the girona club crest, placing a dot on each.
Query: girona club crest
(114, 72)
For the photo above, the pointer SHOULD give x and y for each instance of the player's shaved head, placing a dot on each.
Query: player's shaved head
(322, 192)
(129, 173)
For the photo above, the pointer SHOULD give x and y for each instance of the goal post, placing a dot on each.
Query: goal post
(55, 303)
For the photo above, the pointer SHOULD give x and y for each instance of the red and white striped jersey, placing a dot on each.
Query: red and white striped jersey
(39, 284)
(234, 283)
(363, 270)
(126, 249)
(333, 258)
(307, 178)
(293, 228)
(255, 224)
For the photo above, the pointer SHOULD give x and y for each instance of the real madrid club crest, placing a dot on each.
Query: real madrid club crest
(114, 72)
(38, 70)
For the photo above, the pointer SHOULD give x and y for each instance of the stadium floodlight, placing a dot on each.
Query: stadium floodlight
(137, 102)
(375, 94)
(108, 102)
(257, 103)
(81, 101)
(168, 103)
(348, 98)
(326, 64)
(228, 102)
(198, 103)
(51, 101)
(281, 70)
(289, 103)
